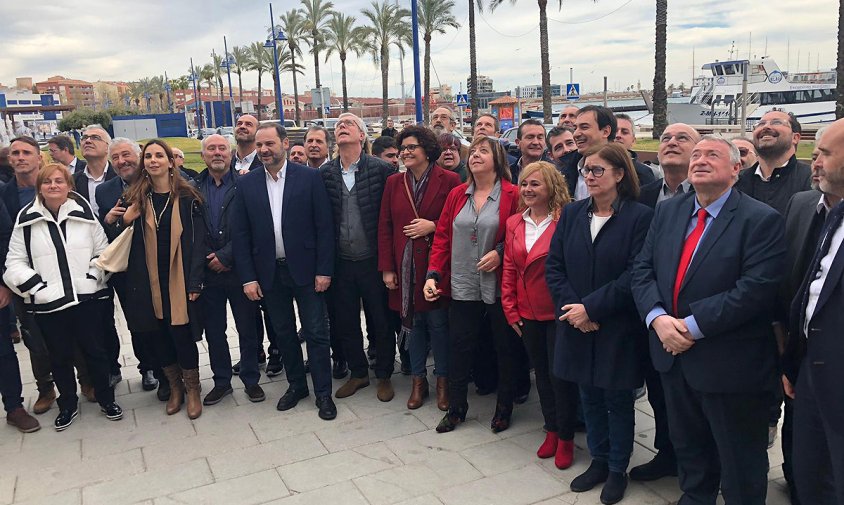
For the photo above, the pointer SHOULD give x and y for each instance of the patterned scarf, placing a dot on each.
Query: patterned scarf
(408, 265)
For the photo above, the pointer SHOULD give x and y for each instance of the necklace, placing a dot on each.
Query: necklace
(158, 216)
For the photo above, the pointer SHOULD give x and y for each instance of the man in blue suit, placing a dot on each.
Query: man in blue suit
(705, 283)
(283, 241)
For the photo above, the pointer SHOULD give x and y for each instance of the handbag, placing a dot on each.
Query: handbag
(115, 257)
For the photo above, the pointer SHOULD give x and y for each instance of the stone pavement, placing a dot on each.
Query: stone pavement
(241, 453)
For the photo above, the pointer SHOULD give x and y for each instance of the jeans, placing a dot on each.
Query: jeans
(432, 325)
(220, 288)
(10, 375)
(610, 420)
(279, 304)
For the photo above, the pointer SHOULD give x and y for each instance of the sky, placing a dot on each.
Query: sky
(122, 40)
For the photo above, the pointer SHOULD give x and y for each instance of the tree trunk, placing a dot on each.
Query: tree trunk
(315, 35)
(259, 96)
(473, 62)
(426, 104)
(240, 88)
(385, 66)
(295, 87)
(343, 74)
(660, 97)
(546, 64)
(839, 70)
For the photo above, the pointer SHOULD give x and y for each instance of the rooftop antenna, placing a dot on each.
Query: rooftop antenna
(749, 44)
(732, 49)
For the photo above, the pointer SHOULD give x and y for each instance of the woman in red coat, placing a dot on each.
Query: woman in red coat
(410, 208)
(467, 253)
(527, 301)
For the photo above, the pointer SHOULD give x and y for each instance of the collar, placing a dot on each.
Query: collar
(281, 173)
(527, 219)
(352, 168)
(715, 207)
(616, 205)
(493, 195)
(686, 185)
(72, 164)
(73, 208)
(88, 174)
(227, 178)
(758, 166)
(823, 204)
(324, 162)
(249, 158)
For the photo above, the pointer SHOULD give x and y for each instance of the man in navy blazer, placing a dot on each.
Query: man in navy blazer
(705, 283)
(283, 241)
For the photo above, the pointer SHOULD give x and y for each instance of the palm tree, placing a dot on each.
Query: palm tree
(259, 61)
(341, 38)
(240, 55)
(156, 85)
(388, 27)
(293, 26)
(207, 73)
(434, 17)
(135, 92)
(181, 82)
(839, 70)
(660, 97)
(317, 13)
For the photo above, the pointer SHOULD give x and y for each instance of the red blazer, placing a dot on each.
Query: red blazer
(524, 292)
(440, 260)
(396, 213)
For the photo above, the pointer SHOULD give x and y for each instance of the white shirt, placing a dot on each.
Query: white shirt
(349, 174)
(72, 165)
(816, 285)
(245, 162)
(532, 230)
(275, 192)
(596, 224)
(580, 190)
(92, 188)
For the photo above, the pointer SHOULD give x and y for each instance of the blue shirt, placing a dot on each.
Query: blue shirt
(712, 212)
(25, 195)
(216, 195)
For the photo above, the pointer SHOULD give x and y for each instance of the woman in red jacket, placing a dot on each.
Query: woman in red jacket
(410, 208)
(527, 302)
(467, 252)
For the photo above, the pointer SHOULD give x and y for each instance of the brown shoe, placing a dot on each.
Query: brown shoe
(177, 388)
(20, 419)
(88, 392)
(351, 386)
(192, 390)
(385, 390)
(442, 393)
(418, 393)
(45, 401)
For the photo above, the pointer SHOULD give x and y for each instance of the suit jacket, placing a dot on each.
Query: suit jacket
(220, 243)
(80, 166)
(80, 181)
(597, 274)
(107, 195)
(524, 292)
(730, 288)
(799, 214)
(824, 349)
(9, 196)
(396, 213)
(307, 227)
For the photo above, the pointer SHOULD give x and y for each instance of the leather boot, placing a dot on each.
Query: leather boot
(192, 389)
(418, 393)
(177, 388)
(442, 393)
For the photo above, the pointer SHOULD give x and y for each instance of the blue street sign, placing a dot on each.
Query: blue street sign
(463, 100)
(573, 91)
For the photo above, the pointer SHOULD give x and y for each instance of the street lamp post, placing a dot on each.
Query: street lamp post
(416, 81)
(197, 111)
(167, 89)
(276, 36)
(228, 63)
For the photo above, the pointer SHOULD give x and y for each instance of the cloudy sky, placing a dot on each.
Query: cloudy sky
(123, 40)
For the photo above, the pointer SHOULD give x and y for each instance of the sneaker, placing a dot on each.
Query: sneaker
(255, 393)
(112, 411)
(65, 418)
(274, 367)
(148, 381)
(216, 395)
(20, 419)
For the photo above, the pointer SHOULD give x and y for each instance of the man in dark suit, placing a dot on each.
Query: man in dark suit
(95, 142)
(815, 346)
(283, 242)
(62, 151)
(530, 137)
(705, 284)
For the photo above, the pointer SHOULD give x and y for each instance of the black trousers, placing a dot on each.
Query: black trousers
(175, 345)
(262, 320)
(818, 461)
(787, 446)
(336, 345)
(39, 356)
(64, 330)
(141, 347)
(465, 336)
(656, 397)
(355, 281)
(721, 441)
(10, 375)
(557, 398)
(111, 341)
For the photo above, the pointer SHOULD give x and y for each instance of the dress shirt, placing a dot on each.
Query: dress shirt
(473, 236)
(816, 286)
(72, 165)
(92, 187)
(580, 190)
(712, 212)
(245, 162)
(666, 192)
(275, 192)
(532, 230)
(349, 174)
(215, 195)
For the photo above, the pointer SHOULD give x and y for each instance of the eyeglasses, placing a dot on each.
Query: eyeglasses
(773, 122)
(681, 138)
(744, 151)
(95, 138)
(348, 123)
(596, 171)
(408, 147)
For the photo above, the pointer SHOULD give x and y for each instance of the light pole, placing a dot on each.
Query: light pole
(227, 61)
(197, 111)
(417, 93)
(277, 35)
(167, 89)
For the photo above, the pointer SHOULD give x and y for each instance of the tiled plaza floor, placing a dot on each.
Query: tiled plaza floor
(240, 453)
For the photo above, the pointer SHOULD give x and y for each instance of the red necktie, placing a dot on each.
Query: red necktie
(688, 250)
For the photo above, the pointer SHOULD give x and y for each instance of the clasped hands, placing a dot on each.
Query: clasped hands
(673, 333)
(575, 314)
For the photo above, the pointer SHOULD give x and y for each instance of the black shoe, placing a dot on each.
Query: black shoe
(65, 418)
(216, 395)
(501, 419)
(596, 474)
(163, 392)
(450, 420)
(236, 368)
(340, 370)
(291, 398)
(114, 379)
(262, 360)
(327, 409)
(662, 465)
(255, 393)
(274, 367)
(112, 411)
(148, 381)
(614, 489)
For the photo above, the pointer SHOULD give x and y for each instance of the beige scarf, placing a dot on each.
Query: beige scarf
(176, 285)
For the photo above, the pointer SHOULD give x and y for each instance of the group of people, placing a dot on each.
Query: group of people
(600, 273)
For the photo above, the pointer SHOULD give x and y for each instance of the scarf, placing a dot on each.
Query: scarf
(408, 265)
(176, 282)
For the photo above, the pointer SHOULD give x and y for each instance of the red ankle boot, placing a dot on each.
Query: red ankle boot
(549, 446)
(565, 454)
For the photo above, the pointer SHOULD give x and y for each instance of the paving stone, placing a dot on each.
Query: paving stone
(342, 493)
(295, 422)
(329, 469)
(523, 486)
(149, 484)
(266, 456)
(251, 489)
(154, 426)
(175, 452)
(427, 499)
(69, 497)
(366, 431)
(7, 488)
(498, 457)
(420, 445)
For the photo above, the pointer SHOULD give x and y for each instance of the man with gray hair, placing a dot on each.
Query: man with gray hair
(95, 142)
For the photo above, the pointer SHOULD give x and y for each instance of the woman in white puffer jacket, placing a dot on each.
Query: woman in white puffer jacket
(50, 264)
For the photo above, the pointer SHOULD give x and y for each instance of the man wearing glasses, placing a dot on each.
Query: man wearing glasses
(747, 151)
(95, 142)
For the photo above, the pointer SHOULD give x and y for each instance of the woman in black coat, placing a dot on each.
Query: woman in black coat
(601, 341)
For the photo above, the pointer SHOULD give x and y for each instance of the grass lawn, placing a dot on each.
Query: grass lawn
(804, 149)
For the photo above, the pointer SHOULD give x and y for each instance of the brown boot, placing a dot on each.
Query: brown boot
(177, 388)
(351, 386)
(384, 390)
(193, 388)
(418, 393)
(442, 393)
(45, 401)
